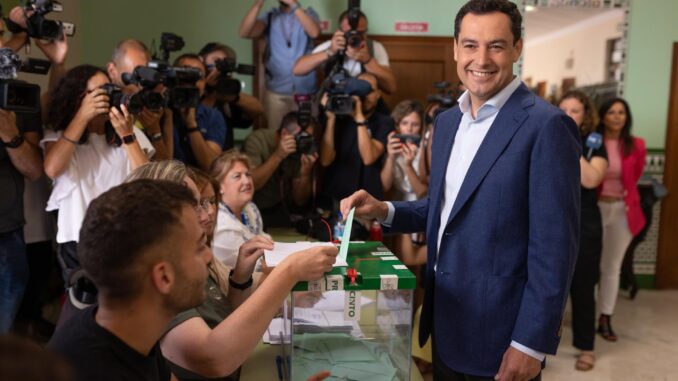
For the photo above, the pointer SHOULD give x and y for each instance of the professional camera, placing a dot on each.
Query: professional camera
(341, 88)
(180, 82)
(116, 98)
(305, 143)
(445, 97)
(226, 84)
(353, 38)
(15, 95)
(169, 42)
(37, 26)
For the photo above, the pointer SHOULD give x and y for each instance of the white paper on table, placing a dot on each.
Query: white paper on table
(282, 250)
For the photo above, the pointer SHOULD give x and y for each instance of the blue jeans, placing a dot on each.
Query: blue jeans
(13, 276)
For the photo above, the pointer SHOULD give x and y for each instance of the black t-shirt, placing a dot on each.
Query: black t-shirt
(96, 354)
(12, 182)
(589, 197)
(347, 173)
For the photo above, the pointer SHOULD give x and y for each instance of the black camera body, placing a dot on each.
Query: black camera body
(305, 143)
(341, 89)
(15, 95)
(405, 138)
(353, 38)
(226, 84)
(37, 26)
(180, 82)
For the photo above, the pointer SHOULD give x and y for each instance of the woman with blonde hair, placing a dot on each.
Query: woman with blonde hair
(239, 219)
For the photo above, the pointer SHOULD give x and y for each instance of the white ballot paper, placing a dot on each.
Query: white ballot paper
(282, 249)
(343, 249)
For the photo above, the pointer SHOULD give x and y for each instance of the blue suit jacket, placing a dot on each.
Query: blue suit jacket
(509, 246)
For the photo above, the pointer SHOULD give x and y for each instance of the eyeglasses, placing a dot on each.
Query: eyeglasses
(205, 203)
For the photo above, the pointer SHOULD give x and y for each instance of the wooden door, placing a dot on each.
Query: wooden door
(417, 63)
(667, 250)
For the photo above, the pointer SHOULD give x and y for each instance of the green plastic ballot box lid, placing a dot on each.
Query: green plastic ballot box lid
(376, 268)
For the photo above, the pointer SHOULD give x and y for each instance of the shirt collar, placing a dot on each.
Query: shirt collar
(494, 104)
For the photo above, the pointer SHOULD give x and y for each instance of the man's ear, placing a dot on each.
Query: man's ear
(112, 71)
(518, 50)
(163, 277)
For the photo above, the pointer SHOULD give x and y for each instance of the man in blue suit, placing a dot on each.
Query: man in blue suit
(502, 214)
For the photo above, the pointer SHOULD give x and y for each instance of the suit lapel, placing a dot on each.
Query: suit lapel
(441, 151)
(505, 125)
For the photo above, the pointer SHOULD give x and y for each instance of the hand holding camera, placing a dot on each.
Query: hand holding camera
(394, 146)
(121, 120)
(358, 115)
(93, 104)
(409, 152)
(150, 119)
(307, 162)
(338, 42)
(360, 54)
(188, 115)
(8, 128)
(54, 50)
(286, 146)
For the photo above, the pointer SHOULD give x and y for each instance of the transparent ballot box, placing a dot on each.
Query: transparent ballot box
(356, 322)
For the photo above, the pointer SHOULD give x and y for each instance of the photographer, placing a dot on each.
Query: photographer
(200, 131)
(282, 173)
(89, 148)
(370, 56)
(289, 31)
(352, 146)
(19, 160)
(239, 111)
(157, 125)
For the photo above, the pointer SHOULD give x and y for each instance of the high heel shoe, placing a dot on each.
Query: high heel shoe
(605, 328)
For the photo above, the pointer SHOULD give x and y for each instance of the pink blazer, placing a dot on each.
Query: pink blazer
(632, 169)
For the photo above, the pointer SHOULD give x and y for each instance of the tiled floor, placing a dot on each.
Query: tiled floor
(647, 349)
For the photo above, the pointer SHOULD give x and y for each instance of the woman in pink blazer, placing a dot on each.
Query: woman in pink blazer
(619, 202)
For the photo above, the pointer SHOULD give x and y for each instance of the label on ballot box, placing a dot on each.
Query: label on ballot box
(352, 306)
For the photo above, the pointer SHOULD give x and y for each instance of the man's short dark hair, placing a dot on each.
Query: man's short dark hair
(189, 56)
(482, 7)
(121, 225)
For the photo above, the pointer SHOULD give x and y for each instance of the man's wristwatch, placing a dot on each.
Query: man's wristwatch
(239, 286)
(15, 142)
(192, 129)
(129, 139)
(361, 123)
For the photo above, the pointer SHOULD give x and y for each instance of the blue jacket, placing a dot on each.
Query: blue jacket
(509, 246)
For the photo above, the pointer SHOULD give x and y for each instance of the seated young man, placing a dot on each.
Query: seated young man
(144, 249)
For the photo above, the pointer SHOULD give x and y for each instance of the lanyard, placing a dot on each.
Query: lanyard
(243, 215)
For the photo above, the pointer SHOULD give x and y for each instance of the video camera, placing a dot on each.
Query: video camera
(15, 95)
(180, 82)
(305, 142)
(446, 97)
(37, 26)
(353, 38)
(226, 84)
(341, 88)
(169, 42)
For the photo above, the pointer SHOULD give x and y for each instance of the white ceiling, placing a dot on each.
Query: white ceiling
(545, 21)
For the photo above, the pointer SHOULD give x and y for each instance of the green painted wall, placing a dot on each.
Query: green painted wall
(653, 29)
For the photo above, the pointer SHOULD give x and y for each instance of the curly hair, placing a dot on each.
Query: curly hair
(591, 120)
(67, 97)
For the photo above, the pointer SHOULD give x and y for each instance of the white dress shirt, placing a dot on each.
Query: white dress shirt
(467, 141)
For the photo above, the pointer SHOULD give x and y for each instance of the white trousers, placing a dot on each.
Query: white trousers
(276, 106)
(616, 239)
